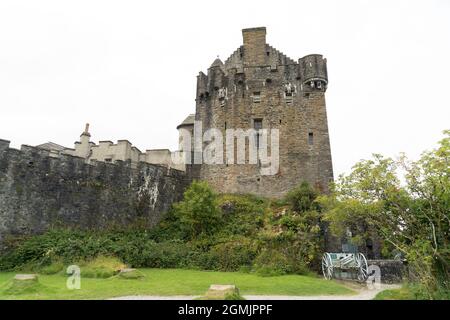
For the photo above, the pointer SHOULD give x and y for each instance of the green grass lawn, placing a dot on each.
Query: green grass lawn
(395, 294)
(169, 282)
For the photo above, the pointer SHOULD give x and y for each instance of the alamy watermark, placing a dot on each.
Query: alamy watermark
(74, 280)
(242, 146)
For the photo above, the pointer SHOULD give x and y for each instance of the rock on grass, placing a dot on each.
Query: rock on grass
(129, 273)
(24, 284)
(222, 292)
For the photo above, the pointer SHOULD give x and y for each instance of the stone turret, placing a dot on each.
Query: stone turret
(313, 72)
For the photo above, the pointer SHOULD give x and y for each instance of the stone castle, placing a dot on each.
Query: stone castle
(257, 87)
(92, 185)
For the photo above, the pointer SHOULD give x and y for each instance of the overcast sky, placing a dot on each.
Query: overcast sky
(129, 67)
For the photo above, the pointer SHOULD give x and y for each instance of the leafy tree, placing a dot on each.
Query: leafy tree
(198, 212)
(411, 217)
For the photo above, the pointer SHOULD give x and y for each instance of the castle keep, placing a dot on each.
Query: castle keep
(258, 87)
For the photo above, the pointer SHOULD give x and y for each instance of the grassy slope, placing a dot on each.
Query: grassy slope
(177, 282)
(395, 294)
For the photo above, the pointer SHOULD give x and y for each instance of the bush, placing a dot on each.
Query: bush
(302, 198)
(272, 263)
(198, 212)
(231, 256)
(101, 267)
(169, 254)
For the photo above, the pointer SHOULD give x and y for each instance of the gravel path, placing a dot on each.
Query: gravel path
(362, 294)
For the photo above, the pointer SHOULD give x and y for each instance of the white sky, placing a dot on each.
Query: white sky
(129, 67)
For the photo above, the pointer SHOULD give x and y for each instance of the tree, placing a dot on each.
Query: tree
(411, 217)
(198, 212)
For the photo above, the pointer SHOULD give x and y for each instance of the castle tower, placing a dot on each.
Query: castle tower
(258, 87)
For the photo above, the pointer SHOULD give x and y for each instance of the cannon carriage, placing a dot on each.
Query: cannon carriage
(352, 265)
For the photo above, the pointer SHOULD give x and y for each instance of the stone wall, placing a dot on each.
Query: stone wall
(299, 113)
(392, 271)
(38, 191)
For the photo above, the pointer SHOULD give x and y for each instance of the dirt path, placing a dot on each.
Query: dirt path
(362, 293)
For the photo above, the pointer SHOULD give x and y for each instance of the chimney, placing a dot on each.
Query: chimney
(86, 131)
(254, 46)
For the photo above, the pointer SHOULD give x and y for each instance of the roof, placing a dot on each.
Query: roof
(51, 146)
(217, 63)
(189, 121)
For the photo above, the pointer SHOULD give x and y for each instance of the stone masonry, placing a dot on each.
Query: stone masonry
(38, 191)
(260, 87)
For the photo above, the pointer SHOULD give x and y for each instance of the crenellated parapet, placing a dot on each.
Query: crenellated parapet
(38, 191)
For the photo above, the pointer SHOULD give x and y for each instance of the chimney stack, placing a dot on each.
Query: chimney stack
(254, 46)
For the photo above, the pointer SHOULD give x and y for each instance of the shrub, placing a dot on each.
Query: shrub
(198, 212)
(272, 263)
(168, 254)
(231, 256)
(101, 267)
(302, 198)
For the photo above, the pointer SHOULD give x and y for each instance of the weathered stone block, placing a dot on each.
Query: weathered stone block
(220, 291)
(26, 277)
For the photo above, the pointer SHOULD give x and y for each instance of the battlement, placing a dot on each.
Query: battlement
(4, 144)
(31, 154)
(255, 62)
(38, 191)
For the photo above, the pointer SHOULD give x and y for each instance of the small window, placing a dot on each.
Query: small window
(108, 160)
(310, 138)
(257, 97)
(257, 125)
(288, 98)
(306, 95)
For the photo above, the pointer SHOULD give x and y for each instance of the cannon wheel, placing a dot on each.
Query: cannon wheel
(327, 266)
(362, 267)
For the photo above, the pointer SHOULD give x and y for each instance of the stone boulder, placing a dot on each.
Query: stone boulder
(130, 273)
(221, 291)
(26, 277)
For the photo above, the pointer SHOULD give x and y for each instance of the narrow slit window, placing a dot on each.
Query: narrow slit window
(257, 125)
(310, 138)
